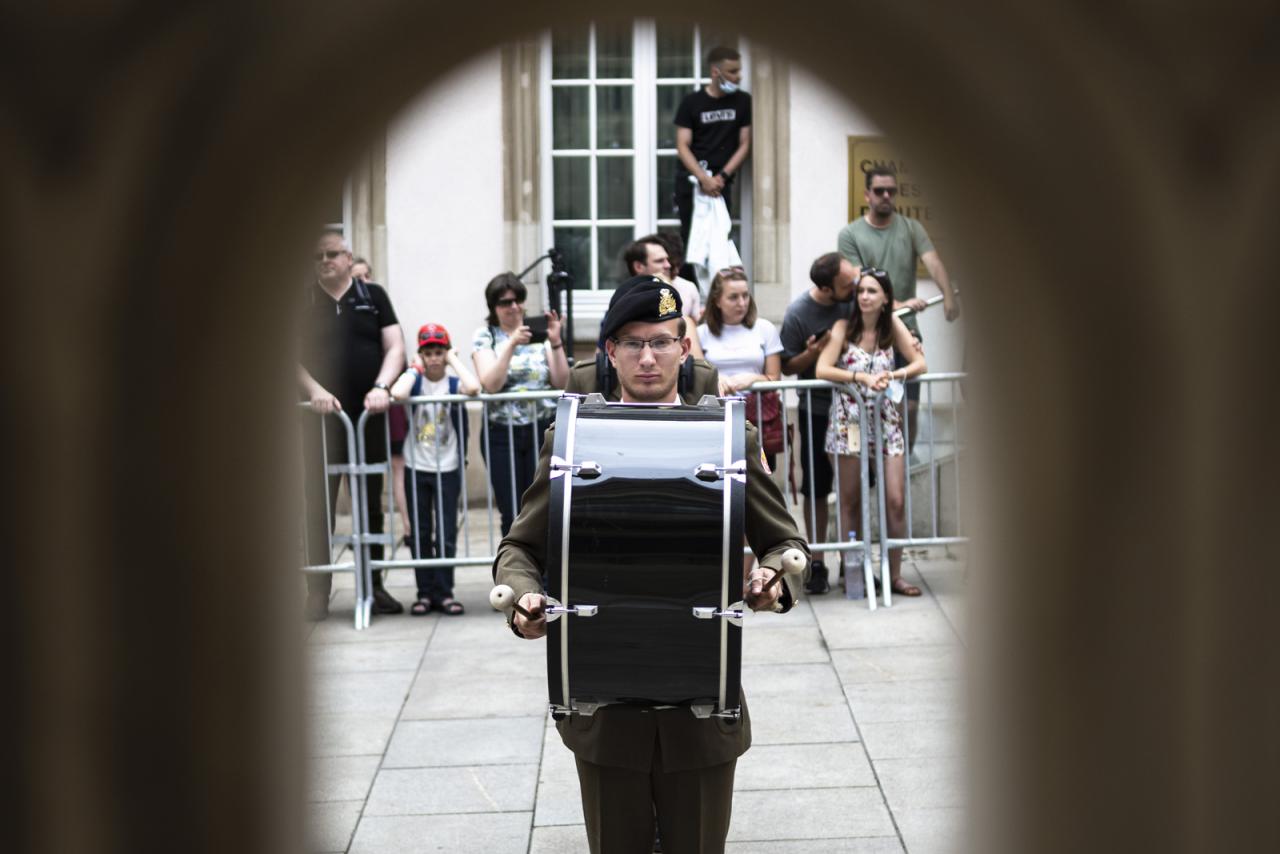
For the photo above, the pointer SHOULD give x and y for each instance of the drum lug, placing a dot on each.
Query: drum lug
(710, 472)
(587, 470)
(702, 711)
(554, 610)
(733, 615)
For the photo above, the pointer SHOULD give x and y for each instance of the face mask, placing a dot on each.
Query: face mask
(727, 87)
(896, 390)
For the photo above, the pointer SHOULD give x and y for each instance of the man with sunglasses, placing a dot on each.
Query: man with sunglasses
(352, 351)
(893, 242)
(637, 765)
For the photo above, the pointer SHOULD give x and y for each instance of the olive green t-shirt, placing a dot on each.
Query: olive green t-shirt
(896, 249)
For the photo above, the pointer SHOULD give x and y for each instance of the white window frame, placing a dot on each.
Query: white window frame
(646, 204)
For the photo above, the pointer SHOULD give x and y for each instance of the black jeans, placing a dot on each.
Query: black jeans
(435, 527)
(512, 458)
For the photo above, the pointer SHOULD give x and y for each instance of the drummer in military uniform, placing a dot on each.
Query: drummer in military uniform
(700, 377)
(636, 763)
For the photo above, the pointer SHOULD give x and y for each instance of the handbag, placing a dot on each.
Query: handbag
(770, 409)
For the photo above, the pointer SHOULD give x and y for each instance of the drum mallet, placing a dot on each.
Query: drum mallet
(793, 563)
(503, 598)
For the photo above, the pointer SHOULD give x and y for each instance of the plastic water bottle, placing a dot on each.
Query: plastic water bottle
(854, 583)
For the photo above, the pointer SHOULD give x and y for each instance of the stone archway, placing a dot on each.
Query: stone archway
(154, 155)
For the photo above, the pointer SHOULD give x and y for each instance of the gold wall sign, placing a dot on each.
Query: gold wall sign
(866, 152)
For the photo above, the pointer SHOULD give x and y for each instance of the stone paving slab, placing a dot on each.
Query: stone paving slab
(863, 845)
(784, 814)
(480, 788)
(330, 825)
(467, 741)
(341, 778)
(921, 700)
(912, 739)
(932, 831)
(803, 766)
(482, 833)
(920, 783)
(897, 663)
(350, 733)
(368, 657)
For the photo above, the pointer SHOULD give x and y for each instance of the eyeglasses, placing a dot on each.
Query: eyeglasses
(661, 346)
(885, 191)
(873, 272)
(507, 302)
(329, 254)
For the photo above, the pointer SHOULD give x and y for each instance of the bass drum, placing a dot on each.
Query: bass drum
(644, 557)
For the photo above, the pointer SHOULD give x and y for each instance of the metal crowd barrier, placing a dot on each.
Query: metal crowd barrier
(353, 542)
(861, 548)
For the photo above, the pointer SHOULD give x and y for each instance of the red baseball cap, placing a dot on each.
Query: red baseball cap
(433, 333)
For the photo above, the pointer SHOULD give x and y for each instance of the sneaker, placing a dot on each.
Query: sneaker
(384, 602)
(317, 607)
(817, 583)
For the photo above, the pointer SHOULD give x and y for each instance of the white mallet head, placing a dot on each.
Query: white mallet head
(793, 561)
(502, 598)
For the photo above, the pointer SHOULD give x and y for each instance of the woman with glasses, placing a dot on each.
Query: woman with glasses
(861, 350)
(507, 359)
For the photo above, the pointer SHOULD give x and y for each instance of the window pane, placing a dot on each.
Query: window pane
(575, 245)
(572, 191)
(613, 50)
(569, 52)
(675, 50)
(609, 259)
(569, 117)
(613, 117)
(711, 39)
(669, 98)
(614, 188)
(667, 187)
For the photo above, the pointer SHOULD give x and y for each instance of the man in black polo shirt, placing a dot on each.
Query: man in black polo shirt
(352, 350)
(713, 134)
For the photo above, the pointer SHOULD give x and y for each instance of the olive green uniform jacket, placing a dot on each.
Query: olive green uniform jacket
(624, 736)
(706, 380)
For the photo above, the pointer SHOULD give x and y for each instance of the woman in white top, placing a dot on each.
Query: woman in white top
(743, 347)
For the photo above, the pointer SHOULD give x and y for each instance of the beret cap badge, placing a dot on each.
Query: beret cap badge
(666, 302)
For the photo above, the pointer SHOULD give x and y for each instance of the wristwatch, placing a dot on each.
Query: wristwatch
(383, 386)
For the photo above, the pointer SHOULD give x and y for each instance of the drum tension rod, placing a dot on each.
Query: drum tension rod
(711, 472)
(587, 469)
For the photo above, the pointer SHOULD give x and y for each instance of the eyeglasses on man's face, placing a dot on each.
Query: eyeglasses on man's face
(885, 191)
(329, 254)
(661, 346)
(507, 302)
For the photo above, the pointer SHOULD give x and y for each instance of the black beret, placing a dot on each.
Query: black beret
(647, 299)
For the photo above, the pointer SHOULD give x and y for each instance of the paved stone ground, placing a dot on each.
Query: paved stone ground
(431, 733)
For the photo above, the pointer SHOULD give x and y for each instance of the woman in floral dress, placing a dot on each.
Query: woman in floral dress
(861, 351)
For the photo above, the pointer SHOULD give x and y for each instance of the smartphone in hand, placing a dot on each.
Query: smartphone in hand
(538, 326)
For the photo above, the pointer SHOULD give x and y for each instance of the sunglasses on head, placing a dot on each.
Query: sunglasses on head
(885, 191)
(328, 254)
(737, 268)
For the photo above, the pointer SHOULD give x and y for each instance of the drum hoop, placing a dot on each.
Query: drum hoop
(571, 425)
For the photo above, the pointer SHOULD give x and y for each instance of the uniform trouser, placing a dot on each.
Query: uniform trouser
(692, 808)
(317, 524)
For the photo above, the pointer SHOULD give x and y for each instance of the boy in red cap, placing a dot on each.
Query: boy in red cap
(435, 454)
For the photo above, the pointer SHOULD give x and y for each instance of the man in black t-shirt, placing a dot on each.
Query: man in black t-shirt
(352, 350)
(713, 134)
